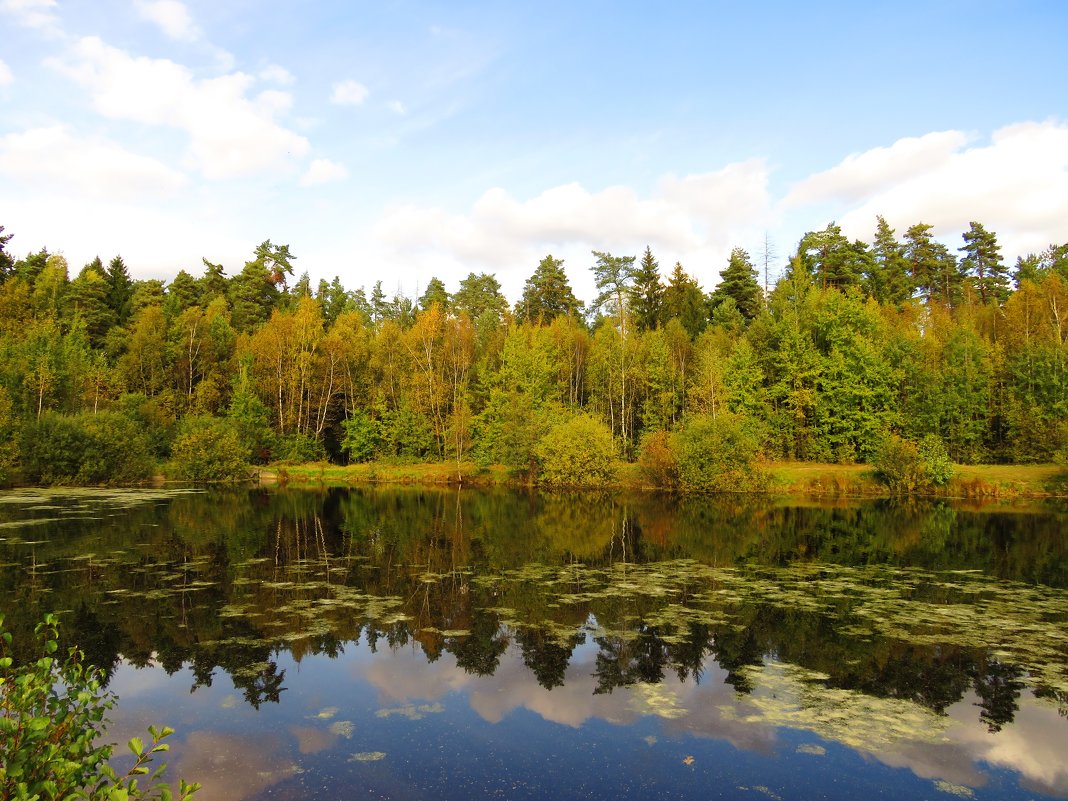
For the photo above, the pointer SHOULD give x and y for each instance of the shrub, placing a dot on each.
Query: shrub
(937, 466)
(899, 464)
(577, 451)
(406, 432)
(361, 439)
(298, 449)
(102, 448)
(907, 467)
(52, 725)
(208, 449)
(252, 420)
(717, 454)
(657, 462)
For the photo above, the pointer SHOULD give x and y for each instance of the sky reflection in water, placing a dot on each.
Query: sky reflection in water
(421, 644)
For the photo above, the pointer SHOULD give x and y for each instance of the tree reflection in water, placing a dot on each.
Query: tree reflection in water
(227, 580)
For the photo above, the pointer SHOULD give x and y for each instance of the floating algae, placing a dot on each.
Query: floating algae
(789, 696)
(368, 756)
(411, 711)
(343, 728)
(656, 700)
(958, 790)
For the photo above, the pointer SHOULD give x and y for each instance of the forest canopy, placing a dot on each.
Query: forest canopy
(856, 342)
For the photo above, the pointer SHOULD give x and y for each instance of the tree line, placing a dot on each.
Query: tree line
(103, 376)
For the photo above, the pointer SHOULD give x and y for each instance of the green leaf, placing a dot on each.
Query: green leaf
(136, 746)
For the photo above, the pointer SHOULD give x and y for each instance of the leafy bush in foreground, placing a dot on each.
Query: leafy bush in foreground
(51, 723)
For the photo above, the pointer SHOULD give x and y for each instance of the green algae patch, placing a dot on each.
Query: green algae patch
(789, 696)
(368, 756)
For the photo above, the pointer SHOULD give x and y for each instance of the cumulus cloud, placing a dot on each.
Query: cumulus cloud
(397, 107)
(1015, 184)
(695, 219)
(323, 171)
(95, 167)
(6, 77)
(36, 14)
(861, 175)
(273, 73)
(229, 133)
(171, 17)
(349, 93)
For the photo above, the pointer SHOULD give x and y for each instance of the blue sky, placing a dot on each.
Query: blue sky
(399, 141)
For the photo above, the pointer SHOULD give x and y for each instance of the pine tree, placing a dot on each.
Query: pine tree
(435, 293)
(479, 294)
(547, 294)
(932, 267)
(832, 259)
(212, 283)
(739, 281)
(647, 293)
(982, 260)
(182, 293)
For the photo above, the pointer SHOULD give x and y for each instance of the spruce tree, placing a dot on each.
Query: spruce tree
(684, 301)
(739, 282)
(87, 300)
(888, 280)
(647, 293)
(120, 290)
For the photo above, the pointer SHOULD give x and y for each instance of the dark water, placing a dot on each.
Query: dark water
(454, 645)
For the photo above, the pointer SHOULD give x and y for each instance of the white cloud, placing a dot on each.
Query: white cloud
(6, 78)
(696, 219)
(93, 167)
(1016, 185)
(860, 175)
(229, 134)
(323, 171)
(273, 73)
(349, 93)
(397, 107)
(36, 14)
(171, 16)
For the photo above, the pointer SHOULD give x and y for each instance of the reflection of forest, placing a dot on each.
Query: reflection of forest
(223, 580)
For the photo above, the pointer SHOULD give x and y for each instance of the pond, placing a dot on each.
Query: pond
(426, 644)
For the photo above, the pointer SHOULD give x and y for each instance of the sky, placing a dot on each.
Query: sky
(399, 141)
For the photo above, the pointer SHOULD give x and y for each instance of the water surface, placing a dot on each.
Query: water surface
(445, 644)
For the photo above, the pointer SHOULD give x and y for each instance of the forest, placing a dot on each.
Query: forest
(898, 348)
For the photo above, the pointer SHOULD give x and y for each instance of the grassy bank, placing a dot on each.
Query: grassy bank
(790, 478)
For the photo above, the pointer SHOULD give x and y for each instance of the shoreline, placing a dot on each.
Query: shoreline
(785, 478)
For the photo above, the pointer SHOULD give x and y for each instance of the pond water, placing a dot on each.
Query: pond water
(419, 644)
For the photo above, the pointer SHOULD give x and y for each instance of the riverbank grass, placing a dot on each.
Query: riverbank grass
(788, 478)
